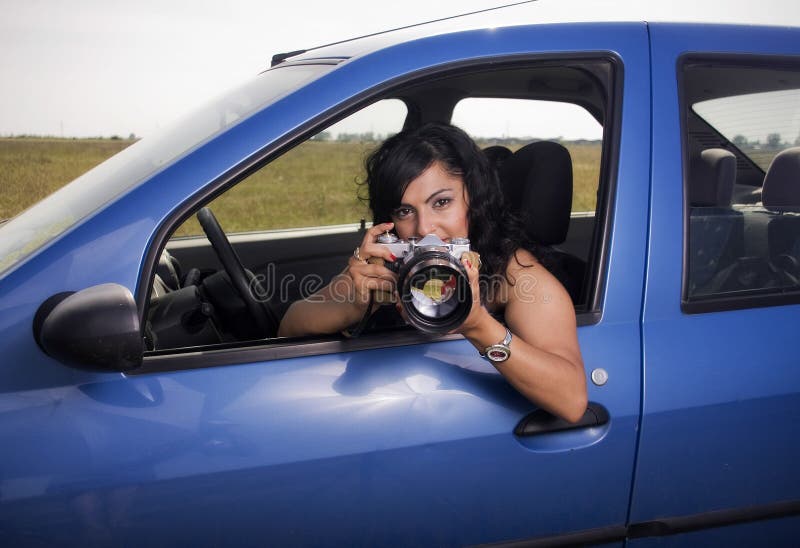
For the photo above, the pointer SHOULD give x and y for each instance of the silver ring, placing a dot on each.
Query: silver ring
(357, 255)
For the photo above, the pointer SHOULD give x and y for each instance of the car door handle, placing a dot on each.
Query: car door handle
(542, 422)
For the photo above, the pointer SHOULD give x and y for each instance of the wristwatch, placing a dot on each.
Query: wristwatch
(499, 352)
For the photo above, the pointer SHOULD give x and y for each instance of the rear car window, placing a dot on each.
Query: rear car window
(742, 165)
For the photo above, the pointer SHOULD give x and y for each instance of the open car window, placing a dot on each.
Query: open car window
(294, 223)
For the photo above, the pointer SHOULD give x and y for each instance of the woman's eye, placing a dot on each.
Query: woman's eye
(441, 202)
(402, 212)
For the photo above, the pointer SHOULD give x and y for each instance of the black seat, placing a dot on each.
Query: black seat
(537, 182)
(497, 155)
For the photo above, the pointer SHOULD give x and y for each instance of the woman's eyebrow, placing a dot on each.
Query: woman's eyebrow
(432, 196)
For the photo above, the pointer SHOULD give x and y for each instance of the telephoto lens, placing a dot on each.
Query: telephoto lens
(432, 283)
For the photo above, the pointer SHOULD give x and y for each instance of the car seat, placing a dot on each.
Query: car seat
(715, 228)
(537, 183)
(781, 196)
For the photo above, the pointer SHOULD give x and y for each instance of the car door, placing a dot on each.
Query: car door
(391, 439)
(718, 451)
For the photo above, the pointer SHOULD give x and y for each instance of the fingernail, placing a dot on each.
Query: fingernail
(469, 264)
(393, 258)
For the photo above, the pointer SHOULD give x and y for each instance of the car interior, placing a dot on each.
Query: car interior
(200, 292)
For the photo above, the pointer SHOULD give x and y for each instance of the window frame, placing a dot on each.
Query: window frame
(242, 352)
(765, 297)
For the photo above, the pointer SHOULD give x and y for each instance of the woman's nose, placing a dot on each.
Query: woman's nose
(425, 225)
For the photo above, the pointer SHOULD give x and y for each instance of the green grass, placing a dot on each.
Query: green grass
(315, 184)
(32, 168)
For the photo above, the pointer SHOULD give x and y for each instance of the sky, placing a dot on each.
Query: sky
(83, 68)
(105, 67)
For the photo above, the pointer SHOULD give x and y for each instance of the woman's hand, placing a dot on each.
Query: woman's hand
(477, 314)
(366, 273)
(343, 302)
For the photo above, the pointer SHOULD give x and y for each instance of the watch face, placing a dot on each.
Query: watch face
(498, 353)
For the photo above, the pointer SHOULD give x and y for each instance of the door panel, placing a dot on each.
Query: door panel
(403, 447)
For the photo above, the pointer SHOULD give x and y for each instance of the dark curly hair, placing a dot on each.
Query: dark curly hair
(494, 232)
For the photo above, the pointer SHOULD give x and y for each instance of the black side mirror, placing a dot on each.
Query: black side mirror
(96, 328)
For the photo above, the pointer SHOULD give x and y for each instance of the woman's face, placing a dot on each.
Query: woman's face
(436, 202)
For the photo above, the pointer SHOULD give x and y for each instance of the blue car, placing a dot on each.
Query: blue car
(146, 399)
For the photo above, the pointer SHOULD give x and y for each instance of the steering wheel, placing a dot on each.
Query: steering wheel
(246, 285)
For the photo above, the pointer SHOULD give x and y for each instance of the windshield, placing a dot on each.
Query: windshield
(42, 223)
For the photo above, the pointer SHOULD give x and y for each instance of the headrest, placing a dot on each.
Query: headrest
(711, 179)
(537, 182)
(497, 155)
(782, 182)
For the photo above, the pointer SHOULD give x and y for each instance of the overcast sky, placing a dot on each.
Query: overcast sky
(106, 67)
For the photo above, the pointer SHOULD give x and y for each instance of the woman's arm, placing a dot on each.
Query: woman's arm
(331, 309)
(344, 301)
(545, 363)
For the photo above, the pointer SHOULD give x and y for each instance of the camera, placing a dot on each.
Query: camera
(431, 281)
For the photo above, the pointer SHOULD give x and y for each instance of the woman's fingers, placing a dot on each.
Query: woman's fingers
(368, 277)
(472, 263)
(370, 248)
(371, 270)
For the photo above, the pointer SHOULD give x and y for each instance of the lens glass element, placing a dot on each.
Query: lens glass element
(433, 291)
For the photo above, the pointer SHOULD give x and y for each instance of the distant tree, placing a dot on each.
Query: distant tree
(322, 136)
(132, 137)
(739, 140)
(367, 136)
(774, 140)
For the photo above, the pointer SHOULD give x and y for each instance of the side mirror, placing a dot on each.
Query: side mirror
(96, 328)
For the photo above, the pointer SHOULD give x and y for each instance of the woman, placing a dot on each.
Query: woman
(435, 180)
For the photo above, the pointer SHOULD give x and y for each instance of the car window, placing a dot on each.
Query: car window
(295, 222)
(742, 164)
(315, 184)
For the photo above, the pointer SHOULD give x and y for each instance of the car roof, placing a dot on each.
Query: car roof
(541, 12)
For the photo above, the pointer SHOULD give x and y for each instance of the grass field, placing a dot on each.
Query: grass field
(30, 169)
(317, 183)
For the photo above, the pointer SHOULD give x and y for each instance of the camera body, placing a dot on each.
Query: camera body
(407, 249)
(431, 281)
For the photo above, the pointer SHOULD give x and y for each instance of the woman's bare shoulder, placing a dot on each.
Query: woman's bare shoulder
(530, 281)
